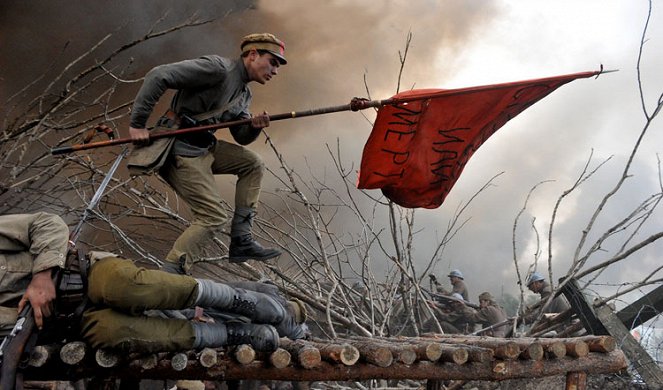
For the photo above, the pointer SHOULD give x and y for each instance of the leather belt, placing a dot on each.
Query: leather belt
(169, 119)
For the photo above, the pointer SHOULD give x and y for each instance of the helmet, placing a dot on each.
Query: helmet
(534, 277)
(456, 273)
(457, 296)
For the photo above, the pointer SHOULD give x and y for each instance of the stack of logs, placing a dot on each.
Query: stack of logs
(435, 357)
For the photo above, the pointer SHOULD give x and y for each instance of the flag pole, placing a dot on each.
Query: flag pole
(355, 105)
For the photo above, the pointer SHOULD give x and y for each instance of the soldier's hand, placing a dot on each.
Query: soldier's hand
(260, 121)
(40, 294)
(139, 136)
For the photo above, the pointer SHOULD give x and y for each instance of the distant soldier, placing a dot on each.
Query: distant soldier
(452, 317)
(457, 284)
(539, 285)
(489, 313)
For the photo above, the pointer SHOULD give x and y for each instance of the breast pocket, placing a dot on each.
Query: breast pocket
(13, 268)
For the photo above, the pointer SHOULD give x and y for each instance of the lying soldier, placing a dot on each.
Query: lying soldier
(33, 246)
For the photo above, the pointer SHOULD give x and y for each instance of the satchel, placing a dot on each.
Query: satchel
(145, 160)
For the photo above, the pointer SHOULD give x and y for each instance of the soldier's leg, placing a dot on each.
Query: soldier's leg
(249, 168)
(193, 180)
(119, 284)
(108, 328)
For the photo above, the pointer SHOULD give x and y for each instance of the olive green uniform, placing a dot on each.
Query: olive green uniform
(29, 243)
(121, 292)
(489, 315)
(207, 84)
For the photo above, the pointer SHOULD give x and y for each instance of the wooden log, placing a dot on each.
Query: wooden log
(207, 357)
(428, 351)
(374, 353)
(41, 354)
(533, 351)
(479, 355)
(548, 324)
(106, 358)
(306, 355)
(179, 361)
(41, 385)
(340, 352)
(73, 352)
(457, 355)
(576, 348)
(404, 354)
(280, 358)
(552, 347)
(595, 363)
(502, 348)
(576, 381)
(244, 354)
(401, 350)
(508, 350)
(554, 350)
(603, 344)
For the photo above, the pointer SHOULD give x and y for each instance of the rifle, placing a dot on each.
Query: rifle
(493, 326)
(22, 337)
(447, 300)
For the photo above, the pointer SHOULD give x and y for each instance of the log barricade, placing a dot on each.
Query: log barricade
(434, 357)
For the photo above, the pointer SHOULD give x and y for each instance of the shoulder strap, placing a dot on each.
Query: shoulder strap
(219, 111)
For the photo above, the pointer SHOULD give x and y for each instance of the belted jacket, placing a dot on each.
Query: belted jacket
(29, 243)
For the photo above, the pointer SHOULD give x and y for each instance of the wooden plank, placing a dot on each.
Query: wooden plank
(643, 309)
(641, 361)
(583, 308)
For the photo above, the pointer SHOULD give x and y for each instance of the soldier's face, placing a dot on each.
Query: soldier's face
(262, 67)
(535, 287)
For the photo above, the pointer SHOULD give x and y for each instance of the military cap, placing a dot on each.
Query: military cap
(267, 42)
(486, 296)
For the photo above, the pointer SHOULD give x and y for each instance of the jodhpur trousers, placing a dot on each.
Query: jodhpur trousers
(192, 178)
(121, 292)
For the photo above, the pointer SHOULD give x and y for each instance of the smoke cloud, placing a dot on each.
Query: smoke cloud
(341, 49)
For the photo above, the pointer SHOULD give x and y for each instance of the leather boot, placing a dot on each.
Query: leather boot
(242, 245)
(258, 307)
(261, 337)
(175, 268)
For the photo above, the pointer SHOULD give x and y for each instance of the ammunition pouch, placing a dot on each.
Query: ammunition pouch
(72, 294)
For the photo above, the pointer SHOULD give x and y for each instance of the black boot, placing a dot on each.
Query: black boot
(260, 336)
(258, 307)
(214, 335)
(242, 245)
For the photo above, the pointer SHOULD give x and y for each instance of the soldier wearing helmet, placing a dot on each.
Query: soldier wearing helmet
(458, 284)
(537, 284)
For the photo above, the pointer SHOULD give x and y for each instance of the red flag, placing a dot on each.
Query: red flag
(422, 140)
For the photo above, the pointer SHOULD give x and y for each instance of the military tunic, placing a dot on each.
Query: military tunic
(29, 243)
